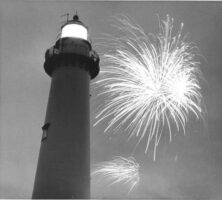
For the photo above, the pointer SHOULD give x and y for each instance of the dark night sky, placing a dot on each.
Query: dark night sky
(190, 167)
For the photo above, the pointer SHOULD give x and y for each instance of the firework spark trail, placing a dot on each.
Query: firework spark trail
(149, 81)
(119, 170)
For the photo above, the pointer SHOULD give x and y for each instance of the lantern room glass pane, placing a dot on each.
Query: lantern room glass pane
(74, 30)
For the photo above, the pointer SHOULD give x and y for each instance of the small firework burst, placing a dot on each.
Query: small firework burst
(149, 81)
(119, 170)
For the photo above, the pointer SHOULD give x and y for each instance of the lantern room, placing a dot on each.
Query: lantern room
(74, 29)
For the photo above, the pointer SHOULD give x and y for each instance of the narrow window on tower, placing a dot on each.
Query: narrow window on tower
(45, 131)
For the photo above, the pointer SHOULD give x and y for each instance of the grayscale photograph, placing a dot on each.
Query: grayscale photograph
(111, 100)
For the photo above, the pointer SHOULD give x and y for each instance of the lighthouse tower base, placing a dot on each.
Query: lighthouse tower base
(64, 160)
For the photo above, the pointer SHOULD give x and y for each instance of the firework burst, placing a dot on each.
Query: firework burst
(119, 170)
(149, 81)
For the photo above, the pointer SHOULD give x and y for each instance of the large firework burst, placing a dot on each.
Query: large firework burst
(119, 170)
(149, 81)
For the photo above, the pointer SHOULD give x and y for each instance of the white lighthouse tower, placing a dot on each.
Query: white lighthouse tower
(63, 169)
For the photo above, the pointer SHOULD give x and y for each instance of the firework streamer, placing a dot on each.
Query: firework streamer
(119, 170)
(149, 81)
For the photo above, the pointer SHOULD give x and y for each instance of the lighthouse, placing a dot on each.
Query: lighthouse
(63, 170)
